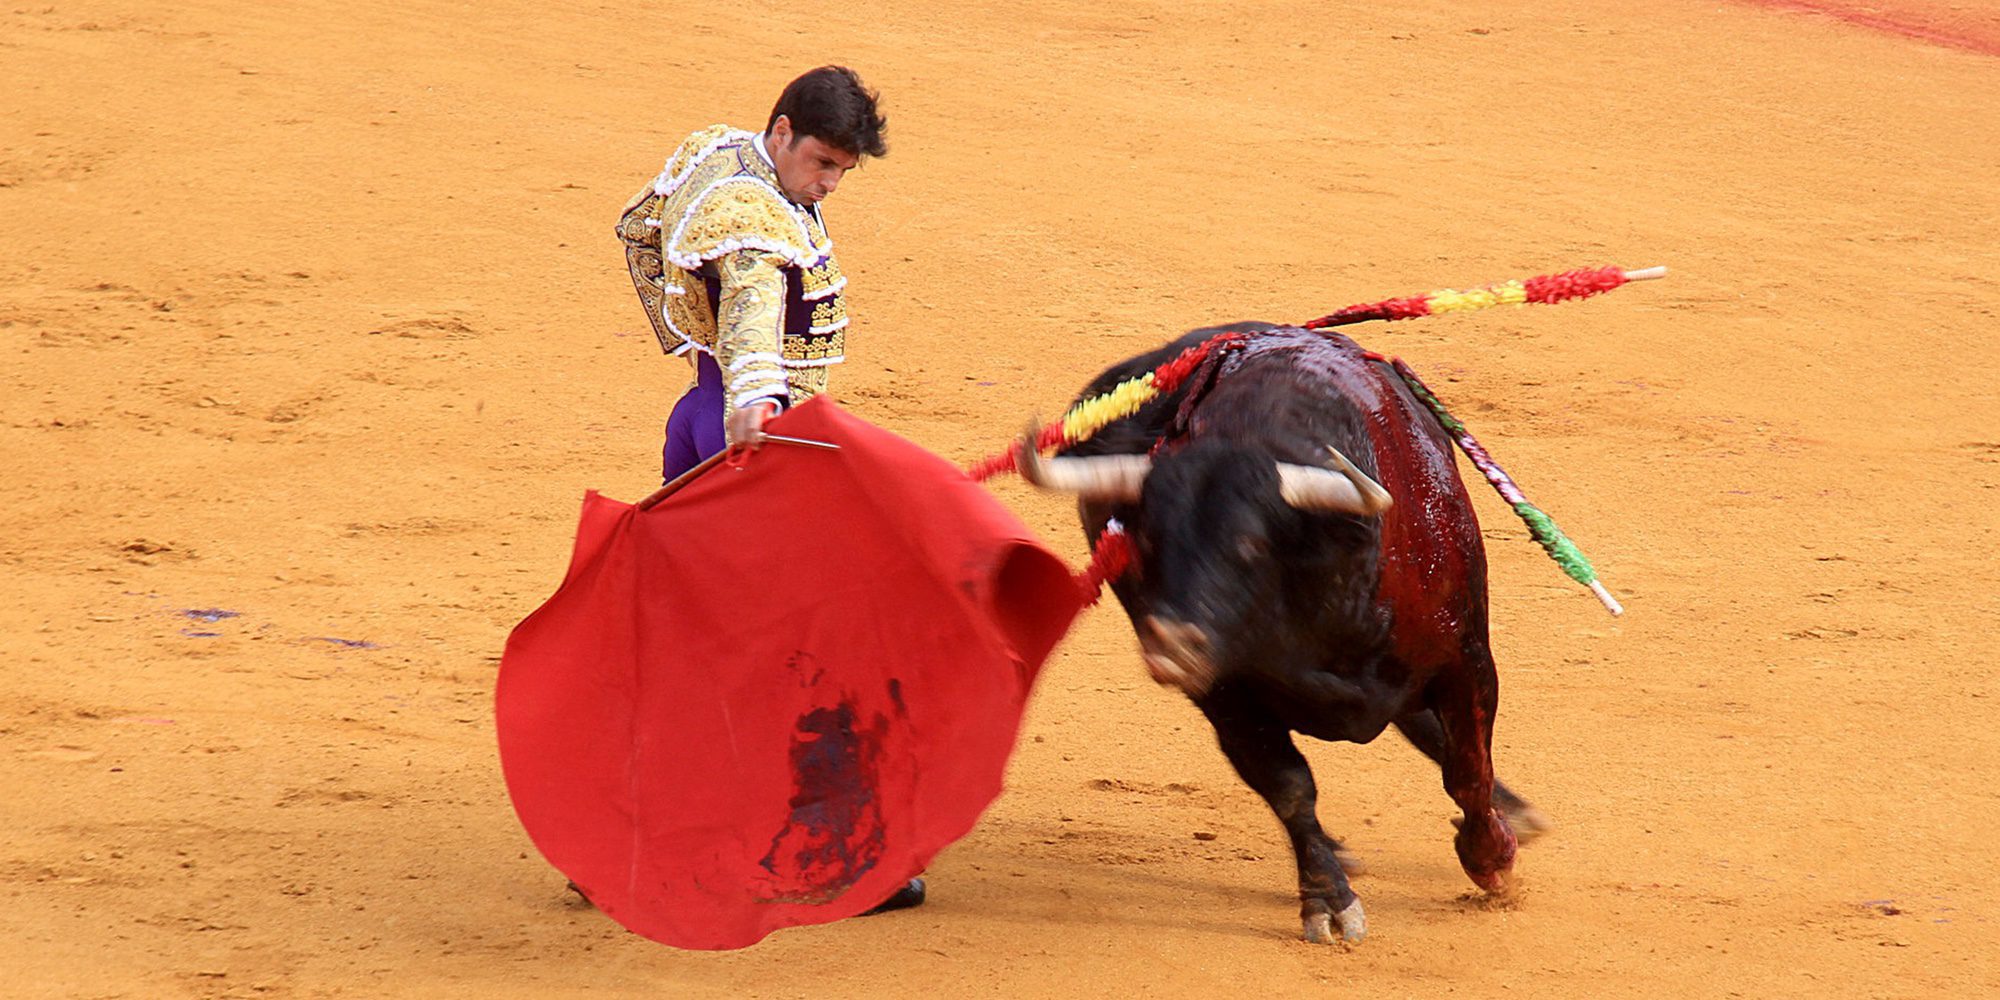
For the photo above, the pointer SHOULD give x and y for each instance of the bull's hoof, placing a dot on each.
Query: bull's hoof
(1497, 884)
(1486, 852)
(1352, 922)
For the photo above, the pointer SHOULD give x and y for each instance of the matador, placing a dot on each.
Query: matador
(730, 255)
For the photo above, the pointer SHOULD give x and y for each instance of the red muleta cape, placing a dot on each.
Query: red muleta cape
(773, 698)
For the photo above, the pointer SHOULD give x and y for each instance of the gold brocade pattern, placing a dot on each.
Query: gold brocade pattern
(806, 382)
(822, 280)
(687, 312)
(717, 197)
(740, 212)
(828, 315)
(638, 229)
(752, 307)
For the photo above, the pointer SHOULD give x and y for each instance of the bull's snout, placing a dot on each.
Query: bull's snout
(1178, 653)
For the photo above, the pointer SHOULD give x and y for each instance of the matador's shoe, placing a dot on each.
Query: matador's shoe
(904, 898)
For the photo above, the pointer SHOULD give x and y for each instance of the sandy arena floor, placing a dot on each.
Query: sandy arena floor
(314, 321)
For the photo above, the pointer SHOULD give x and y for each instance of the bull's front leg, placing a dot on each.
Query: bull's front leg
(1426, 733)
(1262, 752)
(1465, 706)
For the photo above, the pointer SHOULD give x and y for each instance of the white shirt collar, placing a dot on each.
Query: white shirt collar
(758, 141)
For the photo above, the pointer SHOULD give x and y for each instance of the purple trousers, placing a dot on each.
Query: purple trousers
(694, 429)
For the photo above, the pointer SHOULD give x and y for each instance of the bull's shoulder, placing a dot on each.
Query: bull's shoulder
(1297, 391)
(1140, 364)
(1136, 434)
(1324, 365)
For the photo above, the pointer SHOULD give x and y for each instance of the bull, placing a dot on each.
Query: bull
(1305, 559)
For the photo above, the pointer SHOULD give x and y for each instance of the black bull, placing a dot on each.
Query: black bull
(1280, 607)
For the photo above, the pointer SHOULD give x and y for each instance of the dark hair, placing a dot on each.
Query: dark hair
(831, 105)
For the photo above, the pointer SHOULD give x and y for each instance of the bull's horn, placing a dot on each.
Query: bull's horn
(1343, 489)
(1099, 477)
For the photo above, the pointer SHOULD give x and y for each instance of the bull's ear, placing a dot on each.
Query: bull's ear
(1343, 489)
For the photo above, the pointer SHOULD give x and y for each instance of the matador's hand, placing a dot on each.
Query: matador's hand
(746, 424)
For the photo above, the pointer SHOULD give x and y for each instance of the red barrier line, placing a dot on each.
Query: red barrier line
(1886, 24)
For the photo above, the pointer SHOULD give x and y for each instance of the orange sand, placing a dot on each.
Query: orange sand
(314, 314)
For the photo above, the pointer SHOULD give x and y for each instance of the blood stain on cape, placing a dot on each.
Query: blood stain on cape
(833, 835)
(713, 771)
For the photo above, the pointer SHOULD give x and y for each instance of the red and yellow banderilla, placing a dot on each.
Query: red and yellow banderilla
(1091, 415)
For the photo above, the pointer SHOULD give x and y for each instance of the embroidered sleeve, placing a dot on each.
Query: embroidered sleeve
(750, 321)
(805, 383)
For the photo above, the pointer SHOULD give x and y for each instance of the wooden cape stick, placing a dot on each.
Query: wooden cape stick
(674, 485)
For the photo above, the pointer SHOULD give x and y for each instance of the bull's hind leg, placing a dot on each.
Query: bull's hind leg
(1465, 701)
(1426, 733)
(1262, 752)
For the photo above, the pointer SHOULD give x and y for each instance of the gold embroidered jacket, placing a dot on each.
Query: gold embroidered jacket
(724, 263)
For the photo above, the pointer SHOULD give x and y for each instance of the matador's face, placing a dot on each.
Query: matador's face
(808, 169)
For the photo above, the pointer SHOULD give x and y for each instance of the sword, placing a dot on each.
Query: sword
(674, 485)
